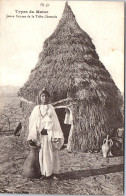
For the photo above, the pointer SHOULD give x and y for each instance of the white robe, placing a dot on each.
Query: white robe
(44, 116)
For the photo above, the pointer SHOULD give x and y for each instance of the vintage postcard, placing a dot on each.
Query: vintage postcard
(62, 97)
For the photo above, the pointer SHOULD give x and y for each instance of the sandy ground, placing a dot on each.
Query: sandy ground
(81, 173)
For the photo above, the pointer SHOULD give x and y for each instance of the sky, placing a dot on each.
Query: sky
(21, 39)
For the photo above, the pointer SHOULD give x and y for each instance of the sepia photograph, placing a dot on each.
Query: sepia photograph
(62, 97)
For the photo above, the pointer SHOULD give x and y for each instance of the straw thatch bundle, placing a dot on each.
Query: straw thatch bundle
(69, 66)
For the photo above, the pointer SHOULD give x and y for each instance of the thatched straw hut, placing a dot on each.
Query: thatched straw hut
(80, 85)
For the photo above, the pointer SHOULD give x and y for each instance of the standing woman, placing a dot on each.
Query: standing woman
(45, 131)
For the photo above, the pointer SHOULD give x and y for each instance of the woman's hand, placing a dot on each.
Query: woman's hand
(55, 140)
(32, 143)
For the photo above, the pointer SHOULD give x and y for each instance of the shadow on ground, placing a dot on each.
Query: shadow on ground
(91, 172)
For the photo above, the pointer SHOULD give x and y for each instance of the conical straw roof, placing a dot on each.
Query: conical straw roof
(69, 60)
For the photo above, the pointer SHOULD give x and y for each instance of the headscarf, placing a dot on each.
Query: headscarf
(40, 93)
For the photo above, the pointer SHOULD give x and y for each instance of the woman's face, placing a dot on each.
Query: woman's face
(44, 98)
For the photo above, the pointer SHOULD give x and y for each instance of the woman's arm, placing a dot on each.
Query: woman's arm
(57, 131)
